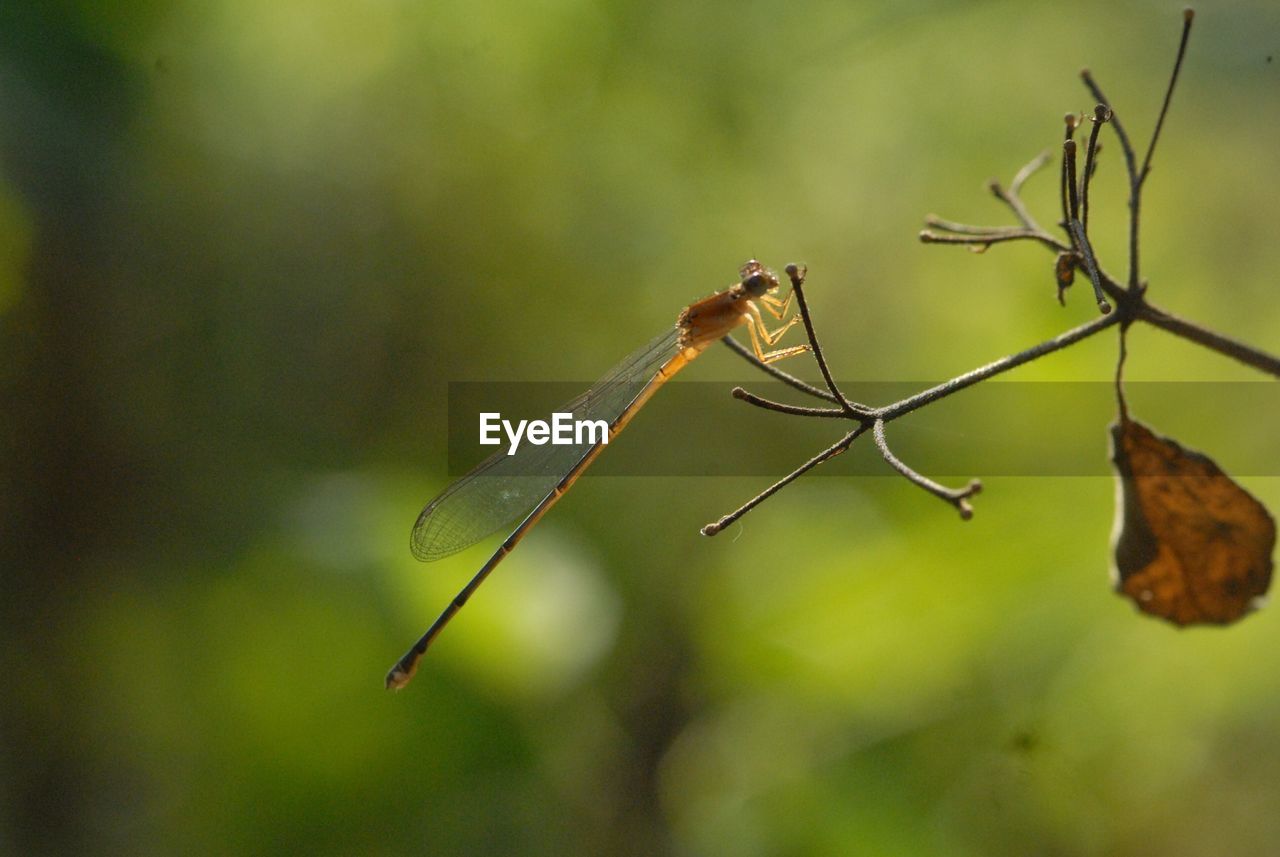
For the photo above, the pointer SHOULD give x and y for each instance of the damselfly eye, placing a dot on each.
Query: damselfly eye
(754, 283)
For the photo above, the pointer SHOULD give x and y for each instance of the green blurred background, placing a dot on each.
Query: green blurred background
(245, 246)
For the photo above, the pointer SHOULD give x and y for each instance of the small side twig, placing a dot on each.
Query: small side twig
(981, 241)
(958, 497)
(847, 409)
(1066, 178)
(1013, 196)
(1090, 263)
(980, 238)
(750, 398)
(778, 374)
(1139, 175)
(1071, 201)
(1100, 115)
(1126, 147)
(796, 274)
(1078, 235)
(1028, 170)
(826, 455)
(1214, 341)
(997, 367)
(952, 226)
(1188, 15)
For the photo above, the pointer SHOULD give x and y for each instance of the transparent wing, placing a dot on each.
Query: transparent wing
(503, 488)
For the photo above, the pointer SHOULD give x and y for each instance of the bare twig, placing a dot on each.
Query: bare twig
(1188, 15)
(783, 408)
(1075, 228)
(1130, 159)
(796, 274)
(1090, 264)
(770, 369)
(891, 412)
(847, 408)
(1012, 197)
(1224, 345)
(1138, 176)
(826, 455)
(958, 497)
(979, 238)
(985, 240)
(1032, 166)
(1065, 182)
(1072, 202)
(996, 367)
(968, 229)
(1100, 116)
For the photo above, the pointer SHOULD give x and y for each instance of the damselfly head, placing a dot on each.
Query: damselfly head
(757, 279)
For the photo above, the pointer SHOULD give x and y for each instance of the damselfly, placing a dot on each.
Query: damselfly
(506, 488)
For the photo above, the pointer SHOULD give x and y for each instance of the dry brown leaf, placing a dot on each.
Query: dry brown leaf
(1191, 546)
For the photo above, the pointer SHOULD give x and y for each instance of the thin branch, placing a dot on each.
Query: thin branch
(985, 241)
(770, 369)
(985, 236)
(958, 497)
(1130, 159)
(1188, 15)
(1012, 197)
(996, 367)
(893, 411)
(1033, 166)
(1079, 250)
(1075, 228)
(783, 408)
(826, 455)
(796, 274)
(1136, 176)
(1065, 181)
(1100, 116)
(968, 229)
(1073, 196)
(1131, 167)
(1090, 264)
(1225, 345)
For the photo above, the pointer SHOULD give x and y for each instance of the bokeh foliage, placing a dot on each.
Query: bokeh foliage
(245, 246)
